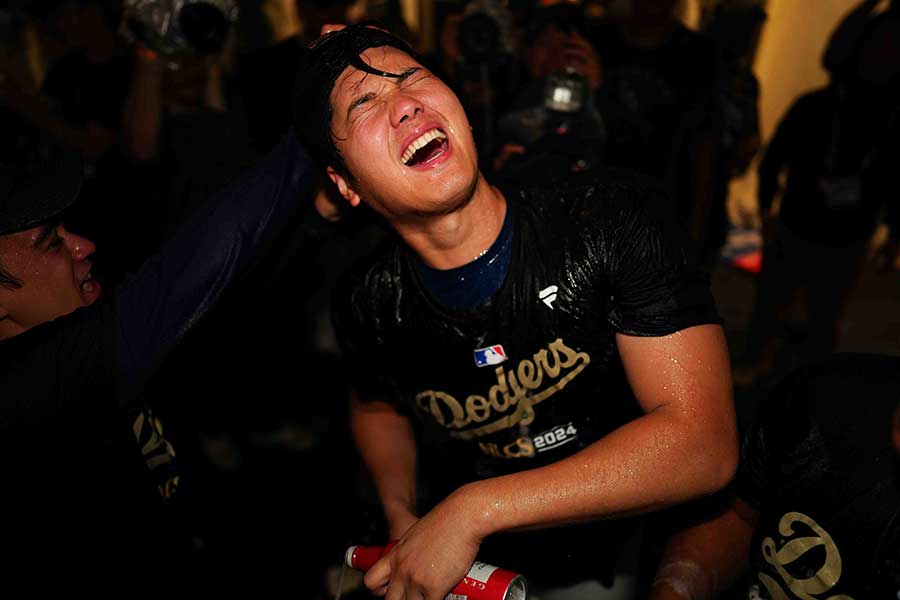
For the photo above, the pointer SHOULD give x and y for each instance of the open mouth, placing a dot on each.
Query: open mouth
(425, 148)
(88, 285)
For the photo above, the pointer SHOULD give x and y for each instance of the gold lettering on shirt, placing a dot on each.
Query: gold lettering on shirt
(521, 388)
(156, 450)
(523, 447)
(813, 587)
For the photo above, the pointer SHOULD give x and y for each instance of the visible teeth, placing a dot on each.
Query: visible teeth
(420, 142)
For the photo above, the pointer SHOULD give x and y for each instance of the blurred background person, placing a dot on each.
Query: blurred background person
(553, 127)
(236, 390)
(663, 77)
(838, 148)
(80, 70)
(736, 29)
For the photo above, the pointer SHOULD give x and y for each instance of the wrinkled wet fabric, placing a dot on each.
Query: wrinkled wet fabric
(533, 375)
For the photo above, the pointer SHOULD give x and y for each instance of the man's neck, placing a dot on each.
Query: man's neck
(459, 237)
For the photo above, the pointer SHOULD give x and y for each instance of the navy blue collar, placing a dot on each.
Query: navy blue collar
(472, 284)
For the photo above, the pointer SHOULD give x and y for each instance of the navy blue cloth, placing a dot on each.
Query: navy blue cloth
(178, 285)
(472, 284)
(80, 491)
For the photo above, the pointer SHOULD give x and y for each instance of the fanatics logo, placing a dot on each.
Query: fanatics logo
(492, 355)
(548, 295)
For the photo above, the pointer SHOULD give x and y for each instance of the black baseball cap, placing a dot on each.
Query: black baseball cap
(38, 186)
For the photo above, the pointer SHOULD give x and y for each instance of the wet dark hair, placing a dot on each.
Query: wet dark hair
(319, 69)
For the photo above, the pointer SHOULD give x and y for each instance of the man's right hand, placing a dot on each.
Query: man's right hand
(431, 557)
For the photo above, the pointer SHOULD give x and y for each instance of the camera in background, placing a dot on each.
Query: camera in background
(179, 26)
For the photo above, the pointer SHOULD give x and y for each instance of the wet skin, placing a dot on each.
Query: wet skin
(438, 202)
(53, 267)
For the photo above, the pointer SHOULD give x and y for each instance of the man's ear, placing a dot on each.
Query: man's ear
(343, 187)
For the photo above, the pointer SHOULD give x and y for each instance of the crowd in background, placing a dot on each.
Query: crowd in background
(254, 400)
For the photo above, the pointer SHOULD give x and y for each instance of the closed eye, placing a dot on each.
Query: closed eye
(48, 238)
(358, 102)
(407, 74)
(404, 77)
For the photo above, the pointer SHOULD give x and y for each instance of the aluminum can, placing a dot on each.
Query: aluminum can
(482, 582)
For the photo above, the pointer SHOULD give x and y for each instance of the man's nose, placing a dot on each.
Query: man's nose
(79, 247)
(403, 108)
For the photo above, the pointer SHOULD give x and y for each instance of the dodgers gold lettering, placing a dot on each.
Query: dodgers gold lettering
(516, 387)
(498, 392)
(530, 375)
(540, 358)
(522, 447)
(432, 402)
(570, 356)
(816, 583)
(477, 408)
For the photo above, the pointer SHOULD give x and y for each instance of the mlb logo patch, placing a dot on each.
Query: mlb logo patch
(492, 355)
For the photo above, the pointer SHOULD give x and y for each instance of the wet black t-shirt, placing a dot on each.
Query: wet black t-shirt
(533, 375)
(820, 469)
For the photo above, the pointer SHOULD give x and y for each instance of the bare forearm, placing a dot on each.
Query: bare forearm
(701, 561)
(650, 463)
(684, 446)
(386, 443)
(142, 119)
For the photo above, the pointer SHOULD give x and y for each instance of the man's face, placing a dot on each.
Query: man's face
(405, 141)
(53, 267)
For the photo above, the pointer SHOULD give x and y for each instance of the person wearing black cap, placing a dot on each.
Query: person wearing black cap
(816, 508)
(76, 445)
(557, 346)
(32, 240)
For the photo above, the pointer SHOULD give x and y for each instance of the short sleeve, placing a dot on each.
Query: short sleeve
(363, 354)
(656, 286)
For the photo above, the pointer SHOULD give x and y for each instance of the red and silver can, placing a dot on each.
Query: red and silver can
(482, 582)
